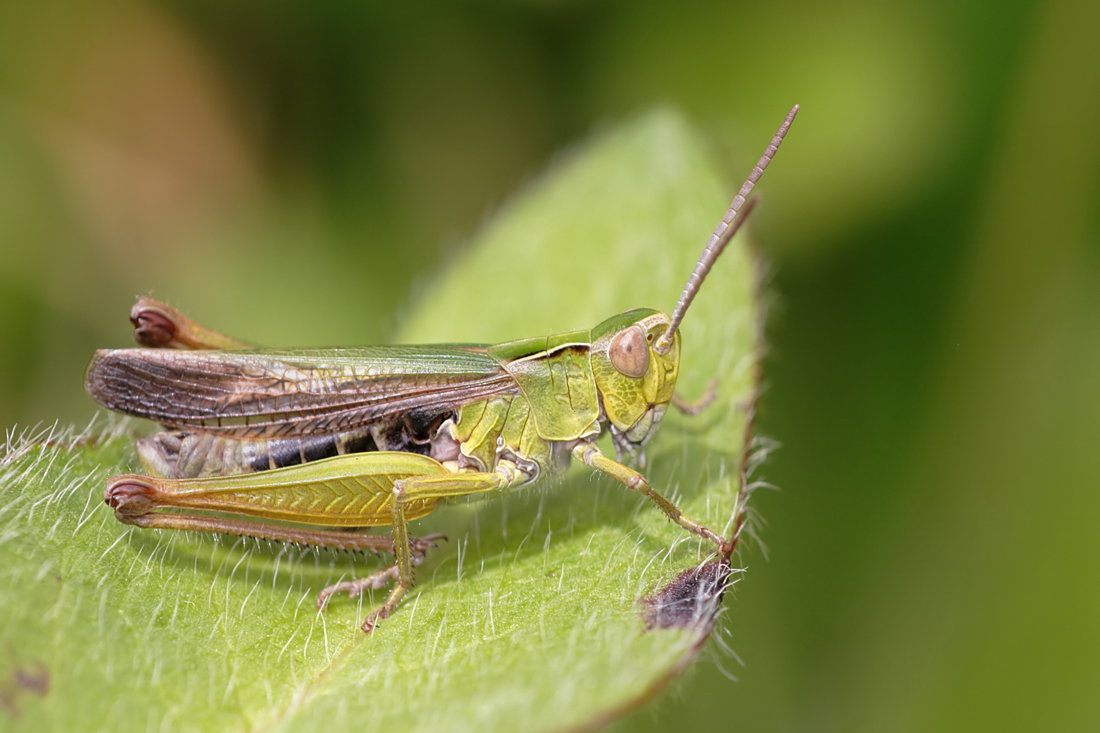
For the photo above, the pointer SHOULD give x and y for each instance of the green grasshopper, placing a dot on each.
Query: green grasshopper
(318, 442)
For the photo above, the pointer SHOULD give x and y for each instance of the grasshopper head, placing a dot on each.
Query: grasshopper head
(636, 355)
(635, 381)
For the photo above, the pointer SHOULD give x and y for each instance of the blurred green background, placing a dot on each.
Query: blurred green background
(295, 173)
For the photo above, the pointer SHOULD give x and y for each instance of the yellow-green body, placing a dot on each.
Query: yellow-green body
(566, 391)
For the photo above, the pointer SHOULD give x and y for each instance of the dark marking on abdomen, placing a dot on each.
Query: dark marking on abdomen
(293, 451)
(178, 454)
(356, 442)
(314, 449)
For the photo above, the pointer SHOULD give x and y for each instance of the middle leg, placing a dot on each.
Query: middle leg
(418, 488)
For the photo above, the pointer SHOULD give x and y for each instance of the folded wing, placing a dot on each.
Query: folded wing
(296, 393)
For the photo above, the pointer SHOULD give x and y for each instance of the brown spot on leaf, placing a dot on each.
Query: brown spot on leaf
(33, 680)
(690, 600)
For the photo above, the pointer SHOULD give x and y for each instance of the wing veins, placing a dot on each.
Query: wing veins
(251, 396)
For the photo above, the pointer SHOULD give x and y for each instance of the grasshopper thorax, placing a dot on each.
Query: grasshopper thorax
(634, 380)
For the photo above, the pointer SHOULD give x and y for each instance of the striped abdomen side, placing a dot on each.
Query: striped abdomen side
(191, 455)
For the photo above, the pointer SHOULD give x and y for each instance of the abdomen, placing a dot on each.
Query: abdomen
(181, 454)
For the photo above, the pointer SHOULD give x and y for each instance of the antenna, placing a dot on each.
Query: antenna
(722, 235)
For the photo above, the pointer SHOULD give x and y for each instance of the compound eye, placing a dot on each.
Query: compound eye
(629, 352)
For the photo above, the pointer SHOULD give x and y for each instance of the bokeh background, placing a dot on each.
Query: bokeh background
(295, 173)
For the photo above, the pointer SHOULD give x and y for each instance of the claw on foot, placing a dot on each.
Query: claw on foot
(383, 611)
(373, 618)
(421, 545)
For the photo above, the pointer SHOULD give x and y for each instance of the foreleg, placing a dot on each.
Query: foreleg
(591, 456)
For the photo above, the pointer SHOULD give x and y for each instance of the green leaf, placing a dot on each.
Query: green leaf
(527, 618)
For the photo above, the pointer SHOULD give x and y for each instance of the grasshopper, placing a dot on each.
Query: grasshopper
(305, 445)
